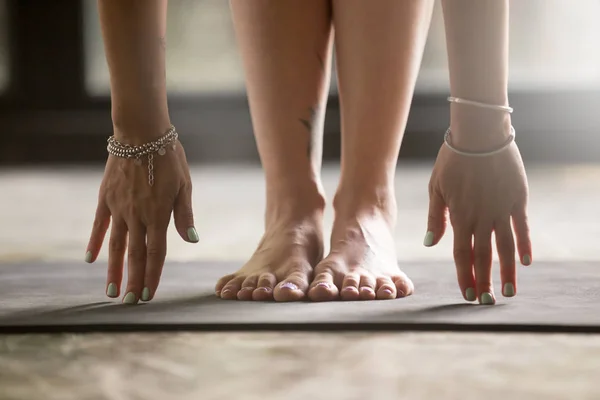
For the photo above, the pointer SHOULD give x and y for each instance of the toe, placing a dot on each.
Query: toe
(366, 288)
(248, 286)
(404, 286)
(350, 287)
(386, 290)
(264, 288)
(221, 283)
(231, 289)
(295, 285)
(323, 288)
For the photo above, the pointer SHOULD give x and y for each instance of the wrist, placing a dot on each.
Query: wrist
(136, 131)
(478, 129)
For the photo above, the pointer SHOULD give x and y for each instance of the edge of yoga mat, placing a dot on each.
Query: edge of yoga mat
(332, 327)
(26, 325)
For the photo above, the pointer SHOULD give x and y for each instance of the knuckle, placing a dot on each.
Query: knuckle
(461, 253)
(136, 253)
(154, 252)
(482, 249)
(116, 244)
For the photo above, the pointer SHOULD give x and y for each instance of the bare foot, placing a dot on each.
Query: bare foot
(362, 264)
(282, 266)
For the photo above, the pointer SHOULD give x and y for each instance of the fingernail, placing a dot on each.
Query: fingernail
(145, 294)
(111, 290)
(470, 294)
(508, 290)
(323, 285)
(129, 298)
(88, 257)
(428, 241)
(526, 259)
(289, 285)
(193, 235)
(486, 298)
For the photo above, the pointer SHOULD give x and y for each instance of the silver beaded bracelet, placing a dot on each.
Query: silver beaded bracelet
(158, 146)
(508, 142)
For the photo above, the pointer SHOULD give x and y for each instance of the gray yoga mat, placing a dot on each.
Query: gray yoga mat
(69, 297)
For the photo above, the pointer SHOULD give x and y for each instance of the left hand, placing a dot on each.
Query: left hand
(481, 196)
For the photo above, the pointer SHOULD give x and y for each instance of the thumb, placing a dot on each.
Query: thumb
(184, 216)
(436, 220)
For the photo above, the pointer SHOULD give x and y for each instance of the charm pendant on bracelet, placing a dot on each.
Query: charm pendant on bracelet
(158, 146)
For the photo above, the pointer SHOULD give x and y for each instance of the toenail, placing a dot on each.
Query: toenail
(226, 291)
(349, 288)
(322, 284)
(264, 289)
(387, 291)
(366, 289)
(247, 288)
(289, 285)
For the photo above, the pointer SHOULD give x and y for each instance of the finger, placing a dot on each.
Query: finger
(136, 263)
(482, 262)
(184, 215)
(156, 251)
(436, 220)
(101, 223)
(505, 245)
(117, 245)
(463, 259)
(521, 227)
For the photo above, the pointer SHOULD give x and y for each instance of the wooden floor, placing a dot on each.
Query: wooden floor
(46, 215)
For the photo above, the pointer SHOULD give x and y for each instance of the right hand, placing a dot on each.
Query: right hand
(140, 216)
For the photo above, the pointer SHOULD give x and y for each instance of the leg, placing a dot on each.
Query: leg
(379, 47)
(286, 47)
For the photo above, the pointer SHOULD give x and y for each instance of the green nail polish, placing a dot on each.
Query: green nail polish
(145, 294)
(88, 257)
(111, 290)
(526, 259)
(486, 298)
(193, 235)
(508, 290)
(428, 241)
(129, 298)
(470, 294)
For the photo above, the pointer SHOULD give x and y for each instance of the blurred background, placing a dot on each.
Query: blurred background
(54, 122)
(54, 84)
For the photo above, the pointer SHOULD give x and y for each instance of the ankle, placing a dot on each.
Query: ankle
(295, 201)
(365, 200)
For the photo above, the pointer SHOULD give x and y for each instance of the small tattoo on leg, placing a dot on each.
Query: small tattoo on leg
(321, 61)
(309, 125)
